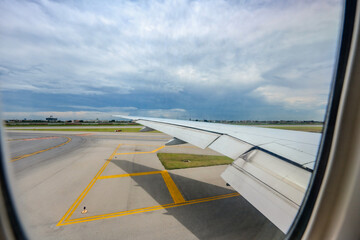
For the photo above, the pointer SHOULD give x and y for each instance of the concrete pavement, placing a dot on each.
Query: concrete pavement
(126, 190)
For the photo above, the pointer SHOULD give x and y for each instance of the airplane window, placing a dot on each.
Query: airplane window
(157, 120)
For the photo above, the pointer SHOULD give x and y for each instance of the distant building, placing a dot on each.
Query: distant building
(51, 119)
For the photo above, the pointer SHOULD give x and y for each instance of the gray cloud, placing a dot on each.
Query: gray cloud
(260, 49)
(100, 113)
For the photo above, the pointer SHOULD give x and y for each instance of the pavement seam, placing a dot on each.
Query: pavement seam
(77, 202)
(147, 209)
(173, 190)
(44, 150)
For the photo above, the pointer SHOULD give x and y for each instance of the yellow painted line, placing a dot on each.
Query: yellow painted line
(199, 200)
(91, 184)
(132, 137)
(147, 209)
(71, 210)
(179, 146)
(170, 184)
(32, 139)
(149, 145)
(174, 192)
(129, 175)
(34, 153)
(173, 189)
(146, 145)
(153, 151)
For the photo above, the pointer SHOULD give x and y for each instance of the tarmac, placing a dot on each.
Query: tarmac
(125, 190)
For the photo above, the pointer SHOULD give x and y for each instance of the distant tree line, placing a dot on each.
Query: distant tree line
(259, 122)
(14, 122)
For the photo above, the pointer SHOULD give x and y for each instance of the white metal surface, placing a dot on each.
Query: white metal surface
(277, 209)
(196, 137)
(293, 154)
(174, 141)
(279, 186)
(299, 147)
(230, 147)
(271, 167)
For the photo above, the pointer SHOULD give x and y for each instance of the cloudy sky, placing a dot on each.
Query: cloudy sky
(259, 60)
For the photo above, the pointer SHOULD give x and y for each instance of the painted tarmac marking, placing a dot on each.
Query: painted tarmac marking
(147, 209)
(77, 202)
(170, 184)
(149, 145)
(34, 153)
(130, 175)
(71, 210)
(173, 190)
(135, 137)
(31, 139)
(153, 151)
(164, 206)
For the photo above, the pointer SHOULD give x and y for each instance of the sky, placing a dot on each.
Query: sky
(228, 60)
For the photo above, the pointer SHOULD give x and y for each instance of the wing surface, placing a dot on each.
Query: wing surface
(271, 167)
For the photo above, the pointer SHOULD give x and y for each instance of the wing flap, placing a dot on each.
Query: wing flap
(272, 167)
(199, 138)
(300, 157)
(230, 147)
(276, 208)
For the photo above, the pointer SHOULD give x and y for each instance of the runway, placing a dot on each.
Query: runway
(125, 189)
(71, 127)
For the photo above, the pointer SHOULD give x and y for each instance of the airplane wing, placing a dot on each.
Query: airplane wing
(271, 167)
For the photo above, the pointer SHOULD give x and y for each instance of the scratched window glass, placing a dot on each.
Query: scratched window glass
(164, 119)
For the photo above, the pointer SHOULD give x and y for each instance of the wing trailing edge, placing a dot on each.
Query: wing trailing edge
(271, 167)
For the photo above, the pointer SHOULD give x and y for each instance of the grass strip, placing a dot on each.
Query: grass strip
(178, 160)
(316, 129)
(70, 125)
(299, 128)
(83, 129)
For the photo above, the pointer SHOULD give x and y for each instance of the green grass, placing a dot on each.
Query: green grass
(83, 129)
(70, 125)
(176, 160)
(299, 128)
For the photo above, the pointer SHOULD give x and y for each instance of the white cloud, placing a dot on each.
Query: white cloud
(176, 113)
(293, 98)
(172, 46)
(104, 109)
(105, 113)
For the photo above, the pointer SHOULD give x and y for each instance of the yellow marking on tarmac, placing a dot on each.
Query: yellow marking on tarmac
(71, 210)
(32, 139)
(147, 209)
(129, 175)
(199, 200)
(132, 137)
(146, 145)
(173, 190)
(34, 153)
(149, 145)
(153, 151)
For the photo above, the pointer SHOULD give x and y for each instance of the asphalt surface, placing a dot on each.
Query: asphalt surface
(125, 189)
(71, 127)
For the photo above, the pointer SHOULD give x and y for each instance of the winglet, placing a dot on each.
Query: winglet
(146, 129)
(127, 117)
(174, 141)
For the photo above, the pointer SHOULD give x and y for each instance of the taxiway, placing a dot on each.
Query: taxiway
(125, 189)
